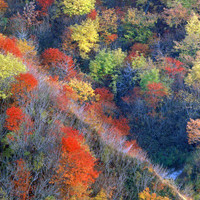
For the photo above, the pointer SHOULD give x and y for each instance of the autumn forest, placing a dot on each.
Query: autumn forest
(100, 99)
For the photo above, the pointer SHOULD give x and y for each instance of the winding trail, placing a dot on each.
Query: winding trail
(174, 188)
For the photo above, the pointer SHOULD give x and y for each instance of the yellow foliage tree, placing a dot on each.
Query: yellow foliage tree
(84, 90)
(193, 78)
(80, 192)
(85, 195)
(86, 35)
(100, 196)
(146, 195)
(9, 66)
(77, 7)
(193, 26)
(27, 49)
(189, 46)
(139, 62)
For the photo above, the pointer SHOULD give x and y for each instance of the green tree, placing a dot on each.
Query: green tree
(189, 4)
(106, 64)
(137, 26)
(149, 77)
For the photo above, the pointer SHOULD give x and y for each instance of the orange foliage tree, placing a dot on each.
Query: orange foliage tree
(14, 118)
(27, 49)
(21, 181)
(105, 105)
(193, 130)
(110, 38)
(54, 58)
(75, 172)
(140, 48)
(64, 98)
(3, 6)
(23, 84)
(155, 93)
(92, 15)
(8, 45)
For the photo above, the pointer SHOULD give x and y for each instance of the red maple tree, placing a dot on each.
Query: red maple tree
(76, 165)
(122, 125)
(92, 15)
(104, 94)
(45, 4)
(21, 181)
(54, 58)
(14, 118)
(174, 67)
(23, 84)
